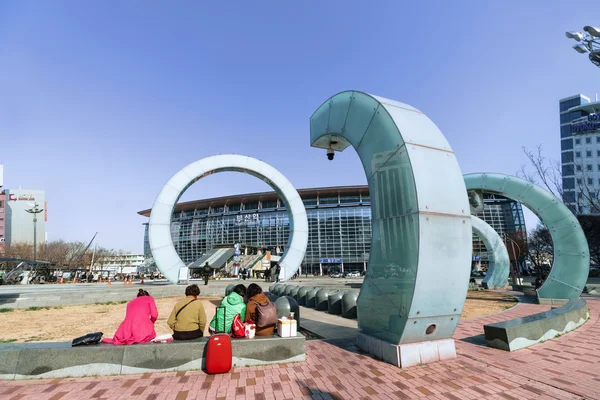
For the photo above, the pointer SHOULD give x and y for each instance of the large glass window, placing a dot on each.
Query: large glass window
(567, 157)
(349, 199)
(269, 204)
(565, 131)
(567, 170)
(251, 206)
(568, 183)
(328, 200)
(567, 144)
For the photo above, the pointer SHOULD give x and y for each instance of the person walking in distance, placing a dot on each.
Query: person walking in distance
(206, 272)
(277, 272)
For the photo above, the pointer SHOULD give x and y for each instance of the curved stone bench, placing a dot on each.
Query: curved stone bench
(301, 297)
(349, 304)
(335, 302)
(311, 298)
(321, 303)
(58, 360)
(523, 332)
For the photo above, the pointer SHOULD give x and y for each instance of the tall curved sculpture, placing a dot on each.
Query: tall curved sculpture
(499, 262)
(419, 265)
(571, 253)
(159, 229)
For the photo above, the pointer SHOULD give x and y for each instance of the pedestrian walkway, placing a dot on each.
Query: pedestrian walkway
(567, 367)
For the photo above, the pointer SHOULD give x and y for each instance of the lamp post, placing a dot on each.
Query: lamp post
(35, 210)
(588, 42)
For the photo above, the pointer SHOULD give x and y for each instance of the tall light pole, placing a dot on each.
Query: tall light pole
(588, 42)
(35, 210)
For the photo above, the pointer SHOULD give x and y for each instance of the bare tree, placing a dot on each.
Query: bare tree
(546, 172)
(540, 248)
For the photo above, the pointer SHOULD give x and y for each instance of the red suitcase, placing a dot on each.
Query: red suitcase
(218, 351)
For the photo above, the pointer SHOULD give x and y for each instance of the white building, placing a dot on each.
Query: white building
(580, 153)
(120, 263)
(18, 222)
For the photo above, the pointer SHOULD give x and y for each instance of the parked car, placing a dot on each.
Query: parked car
(336, 275)
(353, 275)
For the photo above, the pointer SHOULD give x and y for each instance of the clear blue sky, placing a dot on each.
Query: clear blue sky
(101, 102)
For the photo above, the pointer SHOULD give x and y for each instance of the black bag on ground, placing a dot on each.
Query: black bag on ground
(90, 338)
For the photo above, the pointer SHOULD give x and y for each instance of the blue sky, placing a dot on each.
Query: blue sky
(101, 102)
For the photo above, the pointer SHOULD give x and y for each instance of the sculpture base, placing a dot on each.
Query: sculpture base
(407, 355)
(552, 302)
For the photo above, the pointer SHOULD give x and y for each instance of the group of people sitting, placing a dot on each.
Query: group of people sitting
(188, 317)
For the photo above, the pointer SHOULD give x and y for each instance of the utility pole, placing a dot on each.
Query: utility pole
(35, 210)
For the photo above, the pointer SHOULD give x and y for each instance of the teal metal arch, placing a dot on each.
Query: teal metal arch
(571, 264)
(420, 257)
(499, 262)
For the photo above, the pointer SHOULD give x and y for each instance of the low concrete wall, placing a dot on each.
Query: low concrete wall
(523, 332)
(77, 294)
(59, 360)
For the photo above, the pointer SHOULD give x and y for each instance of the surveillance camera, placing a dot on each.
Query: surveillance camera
(330, 153)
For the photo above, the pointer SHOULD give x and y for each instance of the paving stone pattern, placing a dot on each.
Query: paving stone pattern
(563, 368)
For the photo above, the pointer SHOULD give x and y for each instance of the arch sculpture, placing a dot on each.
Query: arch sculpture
(571, 264)
(499, 262)
(419, 264)
(159, 229)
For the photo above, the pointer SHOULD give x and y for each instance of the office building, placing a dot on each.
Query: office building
(580, 153)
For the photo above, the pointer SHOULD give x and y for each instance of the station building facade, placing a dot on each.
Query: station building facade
(339, 220)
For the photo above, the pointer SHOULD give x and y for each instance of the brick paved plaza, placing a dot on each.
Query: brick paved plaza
(567, 367)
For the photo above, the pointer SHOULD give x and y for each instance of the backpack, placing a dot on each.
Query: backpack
(266, 314)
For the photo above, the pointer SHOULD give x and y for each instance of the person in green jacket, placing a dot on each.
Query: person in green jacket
(234, 303)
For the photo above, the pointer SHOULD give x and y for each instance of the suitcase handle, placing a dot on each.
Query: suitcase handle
(224, 324)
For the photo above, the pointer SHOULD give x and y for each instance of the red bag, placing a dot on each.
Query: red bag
(218, 351)
(238, 330)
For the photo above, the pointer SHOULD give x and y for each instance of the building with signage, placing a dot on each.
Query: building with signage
(580, 152)
(18, 222)
(339, 220)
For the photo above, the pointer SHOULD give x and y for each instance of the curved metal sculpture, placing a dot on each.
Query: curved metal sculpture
(571, 264)
(419, 265)
(499, 262)
(159, 229)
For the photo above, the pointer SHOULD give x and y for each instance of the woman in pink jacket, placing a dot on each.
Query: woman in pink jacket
(138, 326)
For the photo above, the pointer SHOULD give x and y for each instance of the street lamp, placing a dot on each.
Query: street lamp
(35, 210)
(588, 42)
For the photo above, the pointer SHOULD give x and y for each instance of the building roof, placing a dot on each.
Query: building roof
(264, 196)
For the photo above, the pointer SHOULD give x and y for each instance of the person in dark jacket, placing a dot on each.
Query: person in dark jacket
(206, 271)
(255, 297)
(277, 272)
